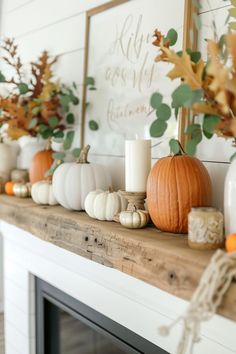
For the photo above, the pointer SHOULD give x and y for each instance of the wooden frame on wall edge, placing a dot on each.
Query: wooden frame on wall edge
(189, 27)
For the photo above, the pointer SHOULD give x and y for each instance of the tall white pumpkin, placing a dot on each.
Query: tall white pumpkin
(73, 181)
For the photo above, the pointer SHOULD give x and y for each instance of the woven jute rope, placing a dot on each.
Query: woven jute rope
(208, 296)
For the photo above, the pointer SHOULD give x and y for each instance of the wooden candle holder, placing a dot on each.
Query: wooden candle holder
(135, 199)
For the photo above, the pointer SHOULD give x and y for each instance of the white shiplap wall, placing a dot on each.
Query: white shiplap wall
(59, 26)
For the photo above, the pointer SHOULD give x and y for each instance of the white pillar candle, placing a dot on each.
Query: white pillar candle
(137, 164)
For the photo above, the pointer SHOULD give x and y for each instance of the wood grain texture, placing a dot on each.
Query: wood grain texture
(161, 259)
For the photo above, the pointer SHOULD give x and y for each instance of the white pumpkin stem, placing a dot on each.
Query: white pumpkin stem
(48, 145)
(83, 157)
(110, 189)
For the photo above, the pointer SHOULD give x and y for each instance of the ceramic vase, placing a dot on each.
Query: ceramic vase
(230, 199)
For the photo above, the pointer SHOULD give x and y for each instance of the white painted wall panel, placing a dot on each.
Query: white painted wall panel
(45, 13)
(60, 38)
(209, 5)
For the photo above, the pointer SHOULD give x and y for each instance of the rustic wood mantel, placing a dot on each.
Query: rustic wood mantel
(161, 259)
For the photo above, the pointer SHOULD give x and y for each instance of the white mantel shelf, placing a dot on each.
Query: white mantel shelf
(160, 259)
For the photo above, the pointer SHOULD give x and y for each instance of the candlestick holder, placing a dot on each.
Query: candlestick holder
(135, 200)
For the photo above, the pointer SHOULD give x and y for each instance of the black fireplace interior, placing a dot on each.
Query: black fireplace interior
(67, 326)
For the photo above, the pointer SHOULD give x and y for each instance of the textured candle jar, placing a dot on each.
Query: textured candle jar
(137, 164)
(205, 228)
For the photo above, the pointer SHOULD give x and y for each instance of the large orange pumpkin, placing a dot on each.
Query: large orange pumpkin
(175, 184)
(40, 164)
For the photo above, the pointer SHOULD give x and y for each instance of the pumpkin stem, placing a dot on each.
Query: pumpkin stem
(83, 157)
(110, 189)
(132, 208)
(48, 145)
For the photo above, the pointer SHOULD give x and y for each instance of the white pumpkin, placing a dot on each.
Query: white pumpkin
(8, 156)
(42, 193)
(89, 202)
(104, 205)
(73, 181)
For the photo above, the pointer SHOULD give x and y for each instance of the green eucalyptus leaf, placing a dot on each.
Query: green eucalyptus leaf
(196, 3)
(232, 12)
(93, 125)
(158, 128)
(58, 155)
(23, 88)
(65, 100)
(53, 122)
(33, 123)
(195, 56)
(197, 21)
(195, 131)
(70, 118)
(36, 110)
(172, 36)
(68, 140)
(210, 122)
(176, 113)
(92, 88)
(42, 128)
(163, 112)
(156, 100)
(90, 81)
(74, 85)
(174, 146)
(2, 77)
(76, 152)
(58, 134)
(191, 147)
(232, 25)
(74, 100)
(47, 133)
(181, 95)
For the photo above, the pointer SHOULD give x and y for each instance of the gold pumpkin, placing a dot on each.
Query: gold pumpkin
(134, 219)
(21, 190)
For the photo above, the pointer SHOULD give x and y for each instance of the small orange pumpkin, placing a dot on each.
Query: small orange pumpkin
(40, 164)
(9, 188)
(175, 185)
(230, 243)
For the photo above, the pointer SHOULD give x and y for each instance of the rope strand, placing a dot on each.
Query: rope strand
(208, 296)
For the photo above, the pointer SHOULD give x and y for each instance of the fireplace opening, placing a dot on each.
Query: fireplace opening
(65, 325)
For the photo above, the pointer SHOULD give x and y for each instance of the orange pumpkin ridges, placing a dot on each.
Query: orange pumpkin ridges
(175, 185)
(9, 188)
(40, 164)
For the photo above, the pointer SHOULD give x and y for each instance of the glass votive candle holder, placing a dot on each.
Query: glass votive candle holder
(205, 228)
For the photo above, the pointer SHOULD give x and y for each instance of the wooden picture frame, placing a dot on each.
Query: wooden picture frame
(189, 40)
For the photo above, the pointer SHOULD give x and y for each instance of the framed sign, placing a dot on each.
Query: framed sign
(119, 57)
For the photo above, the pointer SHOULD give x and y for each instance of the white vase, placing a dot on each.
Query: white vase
(29, 146)
(230, 199)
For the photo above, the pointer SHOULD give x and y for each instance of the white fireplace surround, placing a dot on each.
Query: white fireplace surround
(126, 300)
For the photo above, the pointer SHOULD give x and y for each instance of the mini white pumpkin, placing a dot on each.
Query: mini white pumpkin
(134, 219)
(42, 193)
(104, 205)
(73, 181)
